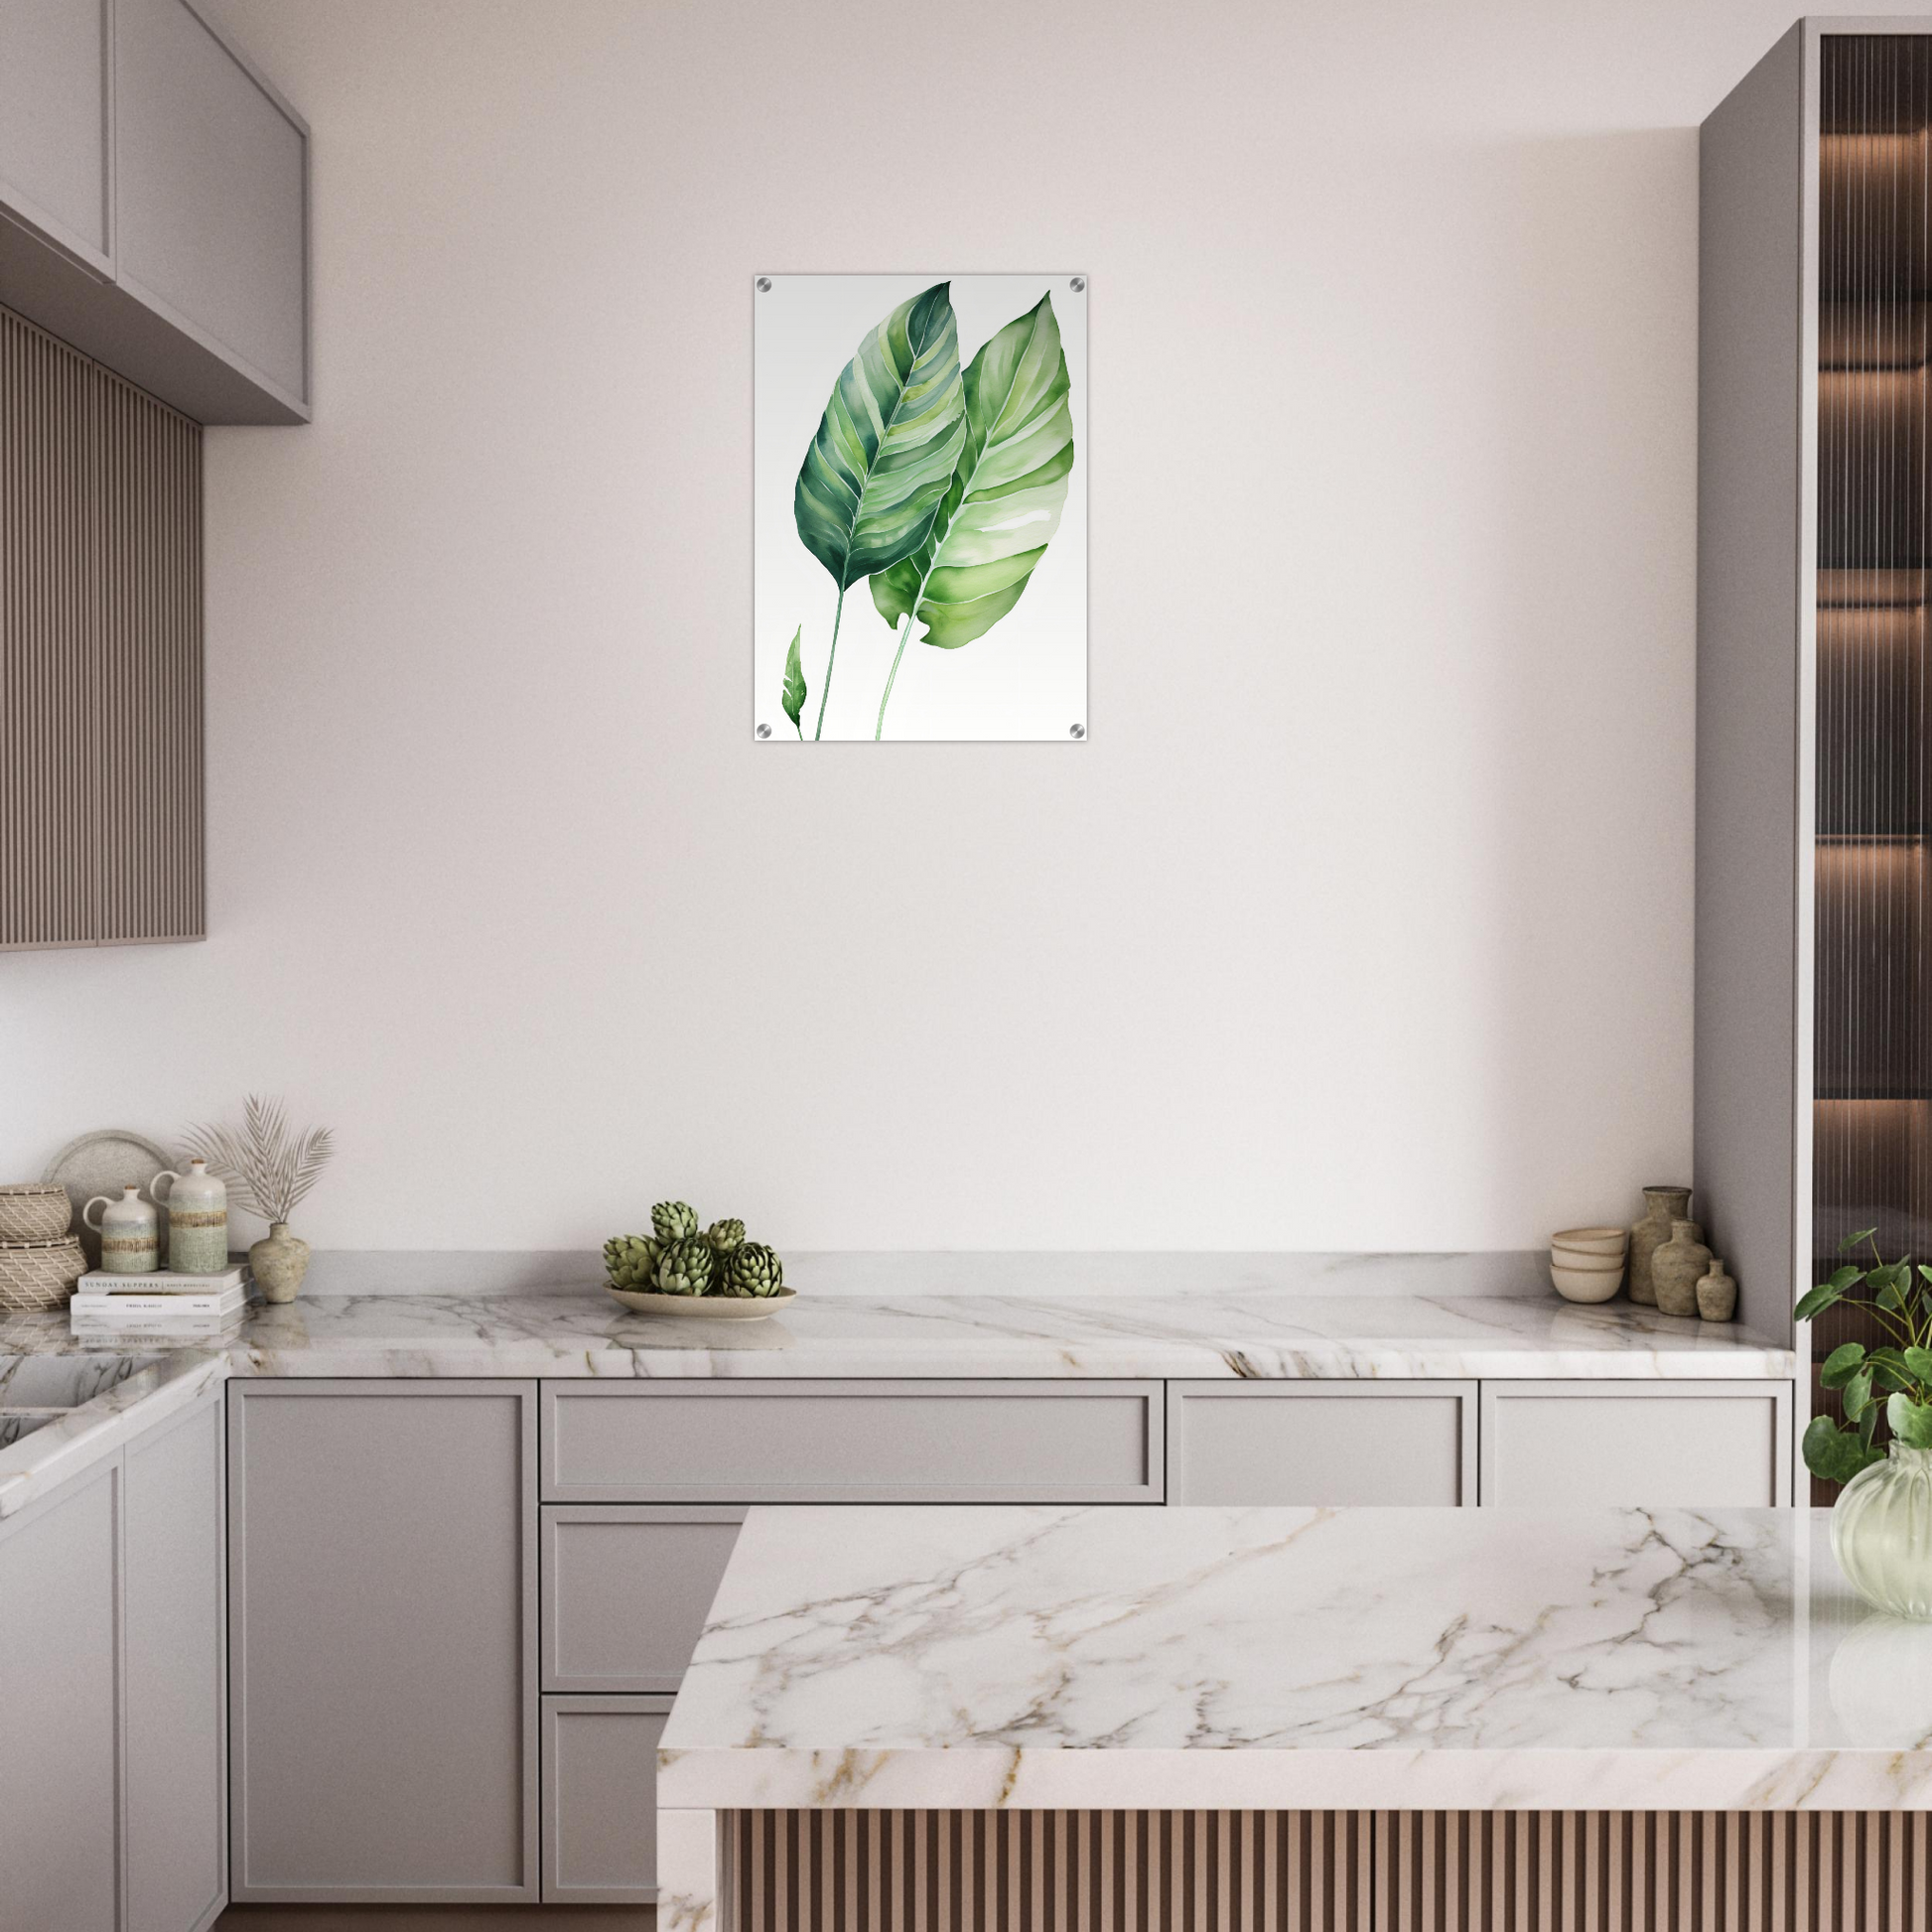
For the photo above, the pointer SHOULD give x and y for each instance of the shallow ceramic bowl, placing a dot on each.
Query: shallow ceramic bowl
(1593, 1241)
(35, 1210)
(1586, 1284)
(1582, 1258)
(720, 1308)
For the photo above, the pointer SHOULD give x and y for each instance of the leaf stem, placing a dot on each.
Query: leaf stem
(905, 631)
(831, 658)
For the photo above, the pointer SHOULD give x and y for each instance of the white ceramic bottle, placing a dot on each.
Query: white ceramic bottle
(197, 1219)
(129, 1230)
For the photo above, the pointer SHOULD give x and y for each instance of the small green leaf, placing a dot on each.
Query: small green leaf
(1889, 1294)
(1868, 1425)
(1888, 1367)
(1851, 1241)
(1918, 1364)
(794, 695)
(1925, 1271)
(1835, 1455)
(1858, 1394)
(1911, 1422)
(1818, 1300)
(1840, 1365)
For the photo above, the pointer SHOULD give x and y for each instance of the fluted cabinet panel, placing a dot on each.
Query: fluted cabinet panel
(101, 782)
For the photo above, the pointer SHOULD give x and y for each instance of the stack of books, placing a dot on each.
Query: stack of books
(159, 1305)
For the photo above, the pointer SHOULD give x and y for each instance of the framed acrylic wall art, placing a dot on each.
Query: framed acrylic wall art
(920, 525)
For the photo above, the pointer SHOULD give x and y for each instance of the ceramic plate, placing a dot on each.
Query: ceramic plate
(105, 1163)
(721, 1308)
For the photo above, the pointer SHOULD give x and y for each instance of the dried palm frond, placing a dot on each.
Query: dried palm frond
(269, 1171)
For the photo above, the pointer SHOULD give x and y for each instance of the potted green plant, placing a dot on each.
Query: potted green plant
(1881, 1523)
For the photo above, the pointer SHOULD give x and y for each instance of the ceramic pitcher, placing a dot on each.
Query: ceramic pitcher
(197, 1219)
(129, 1230)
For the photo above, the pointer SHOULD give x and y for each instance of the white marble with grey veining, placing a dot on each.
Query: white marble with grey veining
(1264, 1335)
(1232, 1658)
(120, 1396)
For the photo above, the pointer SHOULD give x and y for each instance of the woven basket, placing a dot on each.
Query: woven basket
(35, 1210)
(38, 1275)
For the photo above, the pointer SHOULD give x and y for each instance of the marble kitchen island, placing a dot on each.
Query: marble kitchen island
(1096, 1664)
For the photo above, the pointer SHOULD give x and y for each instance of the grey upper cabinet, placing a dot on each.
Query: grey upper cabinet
(383, 1641)
(56, 128)
(158, 194)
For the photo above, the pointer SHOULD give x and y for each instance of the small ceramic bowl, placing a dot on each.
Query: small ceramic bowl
(1582, 1257)
(1593, 1241)
(35, 1210)
(1586, 1284)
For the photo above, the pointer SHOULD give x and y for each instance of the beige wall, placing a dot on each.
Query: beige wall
(1363, 919)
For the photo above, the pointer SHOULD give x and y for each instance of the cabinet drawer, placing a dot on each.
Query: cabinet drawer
(626, 1589)
(1682, 1444)
(599, 1802)
(1322, 1443)
(852, 1441)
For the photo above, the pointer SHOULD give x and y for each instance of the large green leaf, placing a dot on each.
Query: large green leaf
(888, 444)
(1007, 494)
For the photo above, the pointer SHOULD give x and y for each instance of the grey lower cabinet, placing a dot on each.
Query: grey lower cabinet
(600, 1811)
(383, 1653)
(1322, 1442)
(830, 1442)
(112, 1681)
(1704, 1445)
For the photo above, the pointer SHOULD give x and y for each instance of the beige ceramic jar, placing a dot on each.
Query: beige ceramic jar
(1677, 1268)
(129, 1230)
(197, 1219)
(1662, 1206)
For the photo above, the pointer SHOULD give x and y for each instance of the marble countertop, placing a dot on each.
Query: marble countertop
(1216, 1335)
(1292, 1658)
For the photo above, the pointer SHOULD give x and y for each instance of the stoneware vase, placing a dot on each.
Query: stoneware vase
(1662, 1206)
(1881, 1533)
(1677, 1267)
(279, 1261)
(197, 1219)
(1716, 1294)
(129, 1230)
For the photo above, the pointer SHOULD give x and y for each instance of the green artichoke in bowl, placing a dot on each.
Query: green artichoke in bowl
(687, 1266)
(630, 1261)
(725, 1237)
(673, 1220)
(754, 1268)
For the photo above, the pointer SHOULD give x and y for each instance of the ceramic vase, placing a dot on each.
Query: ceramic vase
(1677, 1267)
(129, 1230)
(1716, 1294)
(197, 1219)
(280, 1261)
(1662, 1206)
(1881, 1533)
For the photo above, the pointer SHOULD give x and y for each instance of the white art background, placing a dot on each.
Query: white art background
(1027, 678)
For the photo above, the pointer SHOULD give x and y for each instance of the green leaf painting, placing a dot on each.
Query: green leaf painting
(792, 697)
(886, 450)
(944, 487)
(1006, 496)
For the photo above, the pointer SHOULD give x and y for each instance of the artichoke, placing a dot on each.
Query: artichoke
(725, 1236)
(754, 1268)
(630, 1260)
(673, 1220)
(686, 1267)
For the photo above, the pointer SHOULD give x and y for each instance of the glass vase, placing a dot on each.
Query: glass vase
(1881, 1533)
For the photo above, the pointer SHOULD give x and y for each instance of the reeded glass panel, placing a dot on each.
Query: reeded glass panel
(1873, 994)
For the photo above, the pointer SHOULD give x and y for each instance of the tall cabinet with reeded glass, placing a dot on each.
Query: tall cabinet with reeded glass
(1814, 833)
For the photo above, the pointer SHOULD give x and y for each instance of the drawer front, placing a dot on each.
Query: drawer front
(1322, 1444)
(626, 1591)
(1656, 1446)
(599, 1802)
(852, 1441)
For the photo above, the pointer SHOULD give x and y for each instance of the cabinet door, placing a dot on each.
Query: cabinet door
(60, 1670)
(1646, 1445)
(627, 1590)
(599, 1799)
(1322, 1442)
(212, 194)
(54, 119)
(176, 1838)
(383, 1630)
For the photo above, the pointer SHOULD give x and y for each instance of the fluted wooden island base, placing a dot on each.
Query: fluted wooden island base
(1117, 1720)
